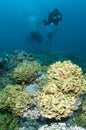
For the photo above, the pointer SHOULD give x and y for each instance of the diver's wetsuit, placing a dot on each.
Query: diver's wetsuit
(53, 18)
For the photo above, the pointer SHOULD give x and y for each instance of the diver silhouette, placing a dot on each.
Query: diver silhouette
(35, 36)
(54, 18)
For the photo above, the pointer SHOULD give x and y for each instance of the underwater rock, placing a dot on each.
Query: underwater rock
(60, 126)
(31, 89)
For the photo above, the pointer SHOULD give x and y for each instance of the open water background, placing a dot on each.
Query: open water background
(19, 17)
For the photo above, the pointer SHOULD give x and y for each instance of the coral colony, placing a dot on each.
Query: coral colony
(40, 94)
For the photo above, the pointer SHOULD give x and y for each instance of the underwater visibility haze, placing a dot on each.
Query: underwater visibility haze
(42, 64)
(19, 17)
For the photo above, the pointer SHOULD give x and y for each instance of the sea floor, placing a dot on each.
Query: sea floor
(32, 120)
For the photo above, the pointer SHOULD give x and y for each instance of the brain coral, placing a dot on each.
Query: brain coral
(60, 97)
(26, 72)
(14, 100)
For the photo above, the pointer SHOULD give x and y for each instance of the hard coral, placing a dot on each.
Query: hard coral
(60, 97)
(84, 105)
(26, 72)
(7, 122)
(68, 77)
(55, 104)
(81, 120)
(14, 100)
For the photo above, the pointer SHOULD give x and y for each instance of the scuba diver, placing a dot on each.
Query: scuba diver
(35, 36)
(53, 18)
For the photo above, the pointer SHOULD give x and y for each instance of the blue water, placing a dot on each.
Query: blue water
(19, 17)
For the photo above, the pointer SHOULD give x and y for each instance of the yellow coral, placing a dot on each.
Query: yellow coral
(55, 104)
(60, 96)
(68, 77)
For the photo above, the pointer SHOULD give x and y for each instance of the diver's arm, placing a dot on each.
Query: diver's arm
(45, 22)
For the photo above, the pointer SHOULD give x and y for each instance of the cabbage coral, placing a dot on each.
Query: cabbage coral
(60, 96)
(68, 77)
(26, 72)
(14, 100)
(55, 104)
(7, 122)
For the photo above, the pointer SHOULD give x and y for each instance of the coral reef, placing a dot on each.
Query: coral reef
(55, 104)
(13, 100)
(59, 126)
(81, 117)
(7, 122)
(84, 105)
(8, 62)
(26, 72)
(59, 98)
(61, 95)
(68, 77)
(81, 120)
